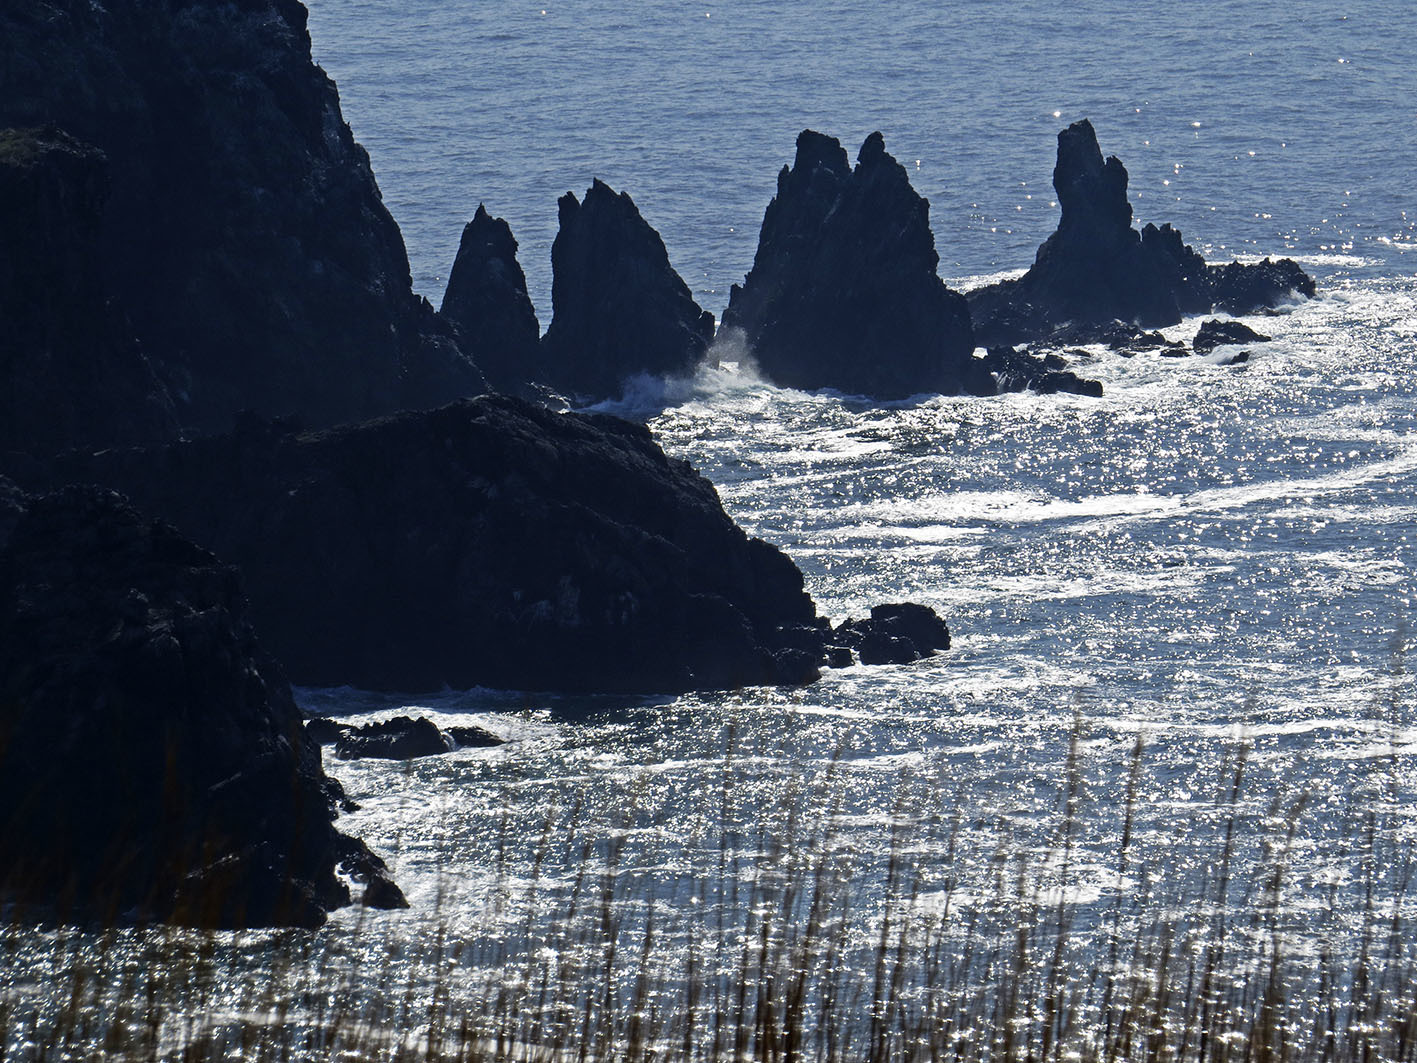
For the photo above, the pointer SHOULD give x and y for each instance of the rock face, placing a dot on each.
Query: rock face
(1096, 269)
(152, 762)
(843, 291)
(486, 300)
(618, 307)
(71, 372)
(489, 542)
(243, 236)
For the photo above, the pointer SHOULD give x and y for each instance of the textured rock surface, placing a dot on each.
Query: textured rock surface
(1097, 269)
(486, 300)
(152, 762)
(244, 237)
(843, 292)
(488, 542)
(71, 372)
(618, 307)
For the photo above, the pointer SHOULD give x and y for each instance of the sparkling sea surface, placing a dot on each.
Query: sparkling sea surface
(1207, 555)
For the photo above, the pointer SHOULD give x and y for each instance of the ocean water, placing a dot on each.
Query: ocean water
(1210, 558)
(1208, 554)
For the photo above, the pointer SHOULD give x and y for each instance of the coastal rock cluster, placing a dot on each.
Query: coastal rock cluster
(208, 308)
(844, 291)
(1097, 269)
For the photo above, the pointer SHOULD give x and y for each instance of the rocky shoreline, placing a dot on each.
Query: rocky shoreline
(209, 311)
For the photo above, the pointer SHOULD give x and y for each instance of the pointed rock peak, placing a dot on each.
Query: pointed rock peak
(873, 150)
(1089, 190)
(489, 234)
(819, 150)
(1078, 150)
(566, 208)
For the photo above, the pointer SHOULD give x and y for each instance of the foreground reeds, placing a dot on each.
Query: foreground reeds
(783, 931)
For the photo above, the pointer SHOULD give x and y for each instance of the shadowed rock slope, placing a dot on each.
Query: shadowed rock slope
(618, 307)
(243, 236)
(489, 542)
(71, 371)
(1096, 269)
(152, 762)
(843, 292)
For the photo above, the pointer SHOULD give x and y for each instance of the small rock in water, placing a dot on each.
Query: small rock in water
(1213, 334)
(401, 738)
(473, 737)
(896, 633)
(919, 623)
(325, 731)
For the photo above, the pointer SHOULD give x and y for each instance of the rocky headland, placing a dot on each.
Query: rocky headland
(1097, 270)
(490, 542)
(209, 309)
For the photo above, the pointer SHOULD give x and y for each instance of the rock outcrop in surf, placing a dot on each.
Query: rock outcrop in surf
(490, 542)
(1096, 269)
(618, 307)
(844, 292)
(152, 762)
(486, 300)
(242, 241)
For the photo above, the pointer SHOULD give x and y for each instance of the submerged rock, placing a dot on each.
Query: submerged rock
(154, 766)
(467, 737)
(1096, 270)
(242, 241)
(490, 542)
(618, 307)
(844, 292)
(486, 300)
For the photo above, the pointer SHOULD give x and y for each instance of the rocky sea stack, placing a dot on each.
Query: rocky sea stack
(487, 302)
(1096, 269)
(152, 762)
(618, 307)
(844, 292)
